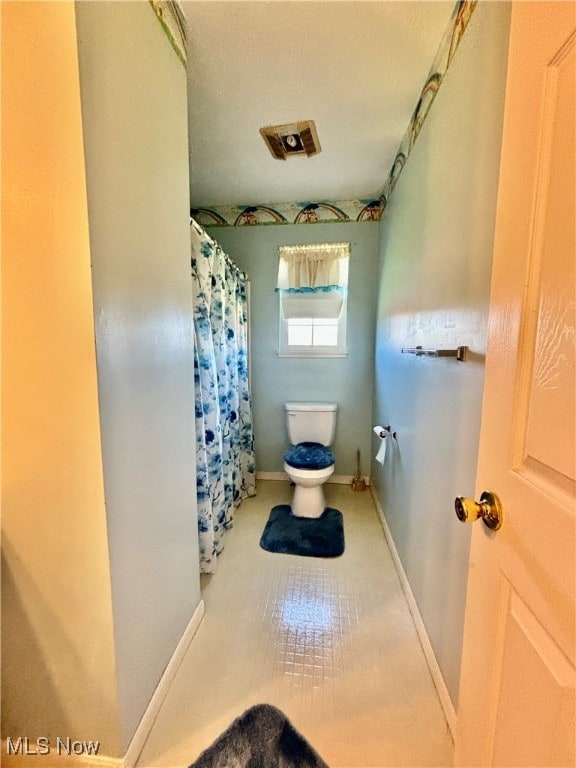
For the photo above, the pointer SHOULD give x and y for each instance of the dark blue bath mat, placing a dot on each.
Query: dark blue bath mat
(262, 737)
(309, 536)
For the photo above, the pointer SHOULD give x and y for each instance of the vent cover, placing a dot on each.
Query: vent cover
(292, 139)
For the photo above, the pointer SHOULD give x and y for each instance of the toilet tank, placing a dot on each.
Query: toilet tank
(311, 422)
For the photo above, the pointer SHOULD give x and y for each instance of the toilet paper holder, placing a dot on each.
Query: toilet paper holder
(387, 431)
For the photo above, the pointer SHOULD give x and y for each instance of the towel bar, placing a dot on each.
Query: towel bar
(459, 353)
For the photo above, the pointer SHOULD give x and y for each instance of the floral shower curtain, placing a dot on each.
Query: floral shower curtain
(225, 470)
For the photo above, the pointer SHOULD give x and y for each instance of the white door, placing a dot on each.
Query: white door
(517, 700)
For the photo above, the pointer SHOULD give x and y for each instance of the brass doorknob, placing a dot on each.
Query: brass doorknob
(488, 508)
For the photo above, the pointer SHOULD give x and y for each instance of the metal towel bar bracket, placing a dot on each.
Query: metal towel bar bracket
(459, 353)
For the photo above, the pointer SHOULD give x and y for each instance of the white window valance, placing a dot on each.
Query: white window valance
(316, 268)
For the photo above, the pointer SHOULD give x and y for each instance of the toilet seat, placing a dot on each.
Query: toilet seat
(309, 456)
(316, 476)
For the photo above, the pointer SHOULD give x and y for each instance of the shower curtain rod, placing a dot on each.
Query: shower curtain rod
(202, 232)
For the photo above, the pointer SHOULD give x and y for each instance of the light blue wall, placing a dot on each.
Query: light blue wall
(346, 381)
(436, 254)
(136, 146)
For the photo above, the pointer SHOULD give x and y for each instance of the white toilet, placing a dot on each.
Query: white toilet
(309, 462)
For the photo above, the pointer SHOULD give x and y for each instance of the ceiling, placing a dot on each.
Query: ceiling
(355, 68)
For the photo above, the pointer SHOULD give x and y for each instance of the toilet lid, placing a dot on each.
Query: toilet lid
(309, 456)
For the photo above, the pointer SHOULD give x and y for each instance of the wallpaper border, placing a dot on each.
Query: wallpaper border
(459, 20)
(173, 23)
(288, 213)
(354, 210)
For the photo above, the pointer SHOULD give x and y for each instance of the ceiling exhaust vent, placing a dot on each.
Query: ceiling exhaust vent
(293, 139)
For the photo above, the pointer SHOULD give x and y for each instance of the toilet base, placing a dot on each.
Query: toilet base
(308, 501)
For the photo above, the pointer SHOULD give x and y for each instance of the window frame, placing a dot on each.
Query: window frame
(309, 350)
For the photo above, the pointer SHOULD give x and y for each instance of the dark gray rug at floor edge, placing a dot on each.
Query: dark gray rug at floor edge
(262, 737)
(312, 537)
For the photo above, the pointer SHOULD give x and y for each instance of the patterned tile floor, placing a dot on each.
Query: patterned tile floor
(328, 641)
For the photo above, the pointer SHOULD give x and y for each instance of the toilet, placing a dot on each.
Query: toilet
(309, 462)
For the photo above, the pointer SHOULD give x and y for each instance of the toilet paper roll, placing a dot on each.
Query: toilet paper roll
(383, 434)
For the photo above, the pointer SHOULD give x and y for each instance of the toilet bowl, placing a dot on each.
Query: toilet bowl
(308, 500)
(309, 462)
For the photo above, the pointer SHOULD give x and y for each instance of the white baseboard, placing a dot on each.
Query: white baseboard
(149, 716)
(34, 753)
(346, 479)
(272, 476)
(437, 677)
(335, 479)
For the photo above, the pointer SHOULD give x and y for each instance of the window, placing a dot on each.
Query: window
(311, 332)
(312, 290)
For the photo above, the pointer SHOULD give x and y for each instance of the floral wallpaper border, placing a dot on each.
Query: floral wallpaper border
(173, 23)
(288, 213)
(461, 15)
(354, 210)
